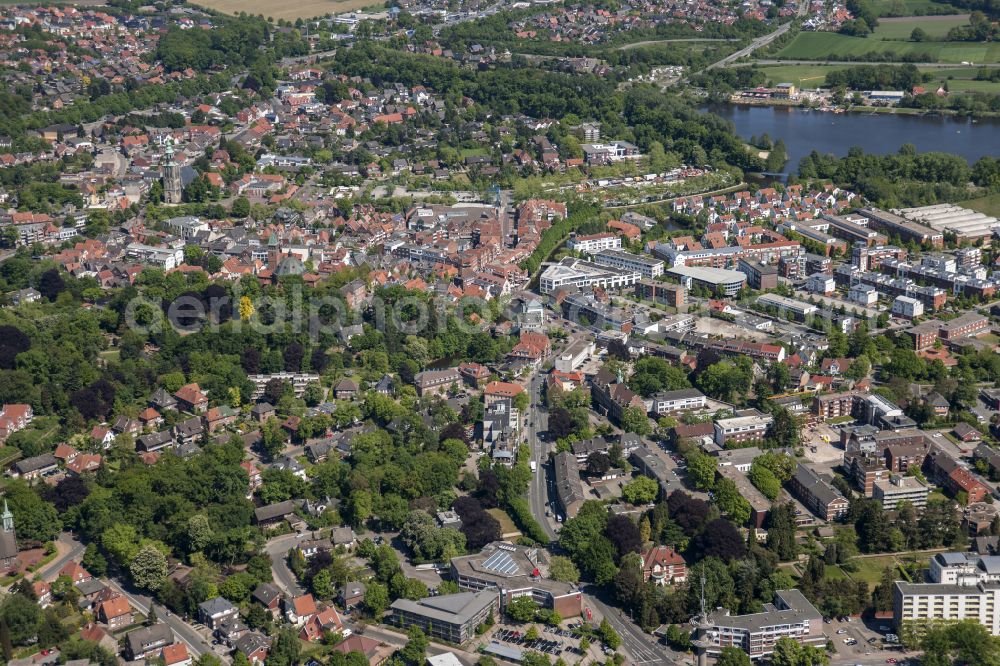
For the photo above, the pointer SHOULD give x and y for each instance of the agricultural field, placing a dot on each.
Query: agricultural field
(911, 7)
(936, 27)
(286, 10)
(833, 46)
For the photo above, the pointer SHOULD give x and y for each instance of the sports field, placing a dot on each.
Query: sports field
(286, 10)
(834, 46)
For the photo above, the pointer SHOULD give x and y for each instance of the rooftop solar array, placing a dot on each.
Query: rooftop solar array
(502, 563)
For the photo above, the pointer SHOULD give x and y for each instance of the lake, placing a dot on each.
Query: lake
(805, 131)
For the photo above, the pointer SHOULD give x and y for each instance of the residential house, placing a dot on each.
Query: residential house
(175, 655)
(664, 566)
(254, 647)
(299, 609)
(213, 612)
(191, 398)
(268, 596)
(115, 612)
(146, 641)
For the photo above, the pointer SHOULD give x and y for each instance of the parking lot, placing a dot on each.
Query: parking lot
(854, 639)
(554, 641)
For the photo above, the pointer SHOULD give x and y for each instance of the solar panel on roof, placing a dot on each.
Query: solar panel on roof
(502, 563)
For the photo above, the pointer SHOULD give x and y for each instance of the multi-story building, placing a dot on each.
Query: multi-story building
(790, 616)
(963, 568)
(681, 400)
(511, 571)
(436, 381)
(747, 425)
(663, 566)
(760, 505)
(898, 488)
(449, 617)
(613, 396)
(967, 325)
(923, 603)
(297, 380)
(834, 405)
(594, 243)
(579, 273)
(894, 225)
(865, 470)
(758, 275)
(719, 281)
(569, 492)
(647, 267)
(799, 309)
(909, 308)
(817, 494)
(664, 293)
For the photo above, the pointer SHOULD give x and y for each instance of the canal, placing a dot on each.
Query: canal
(804, 131)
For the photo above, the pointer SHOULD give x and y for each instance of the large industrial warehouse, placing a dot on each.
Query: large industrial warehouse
(962, 222)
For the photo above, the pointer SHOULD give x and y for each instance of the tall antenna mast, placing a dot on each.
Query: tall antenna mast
(704, 616)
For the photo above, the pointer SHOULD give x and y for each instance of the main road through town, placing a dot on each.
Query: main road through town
(642, 648)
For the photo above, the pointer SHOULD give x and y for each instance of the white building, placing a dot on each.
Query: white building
(742, 428)
(668, 402)
(161, 257)
(595, 243)
(897, 488)
(937, 602)
(800, 309)
(579, 273)
(863, 294)
(966, 569)
(186, 226)
(575, 355)
(648, 267)
(905, 306)
(821, 283)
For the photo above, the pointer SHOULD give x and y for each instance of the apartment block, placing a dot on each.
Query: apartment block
(647, 267)
(790, 616)
(741, 428)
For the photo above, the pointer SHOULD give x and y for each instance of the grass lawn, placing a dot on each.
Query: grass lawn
(936, 494)
(834, 572)
(9, 454)
(870, 568)
(989, 205)
(803, 76)
(909, 7)
(474, 152)
(833, 46)
(507, 525)
(934, 26)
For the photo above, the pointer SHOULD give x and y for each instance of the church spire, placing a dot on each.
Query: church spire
(8, 518)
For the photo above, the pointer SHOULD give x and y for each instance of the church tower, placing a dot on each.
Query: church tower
(8, 541)
(172, 189)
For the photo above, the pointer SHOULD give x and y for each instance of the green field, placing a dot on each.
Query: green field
(935, 26)
(870, 568)
(910, 7)
(959, 79)
(989, 205)
(833, 46)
